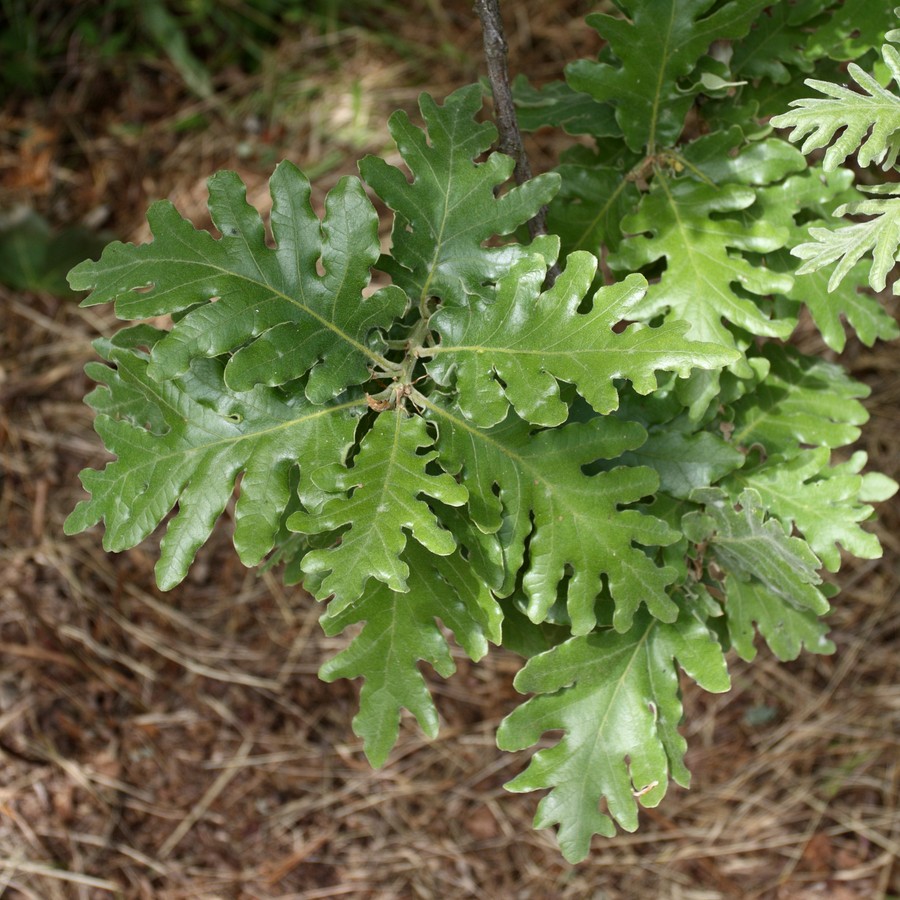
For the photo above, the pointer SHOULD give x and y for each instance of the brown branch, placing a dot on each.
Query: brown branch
(495, 51)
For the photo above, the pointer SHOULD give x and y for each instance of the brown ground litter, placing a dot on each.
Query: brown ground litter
(180, 745)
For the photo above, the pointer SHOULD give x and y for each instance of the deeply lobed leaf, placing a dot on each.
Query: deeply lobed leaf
(850, 29)
(385, 482)
(201, 437)
(776, 46)
(580, 454)
(593, 200)
(659, 45)
(517, 348)
(687, 223)
(786, 629)
(751, 546)
(400, 630)
(801, 400)
(806, 201)
(616, 697)
(824, 503)
(267, 306)
(444, 216)
(530, 486)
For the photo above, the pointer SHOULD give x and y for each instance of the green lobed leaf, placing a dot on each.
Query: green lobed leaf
(385, 481)
(851, 28)
(516, 349)
(823, 502)
(400, 629)
(774, 49)
(774, 57)
(784, 627)
(685, 461)
(616, 697)
(525, 485)
(748, 545)
(444, 216)
(687, 223)
(268, 304)
(696, 227)
(128, 399)
(529, 506)
(846, 302)
(802, 400)
(661, 44)
(212, 435)
(556, 105)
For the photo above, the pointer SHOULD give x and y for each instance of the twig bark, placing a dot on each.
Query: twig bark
(495, 51)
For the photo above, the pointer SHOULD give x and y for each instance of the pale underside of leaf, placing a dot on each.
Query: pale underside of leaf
(749, 545)
(868, 122)
(847, 246)
(784, 627)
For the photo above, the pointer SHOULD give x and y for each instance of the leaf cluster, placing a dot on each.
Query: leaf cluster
(865, 120)
(620, 474)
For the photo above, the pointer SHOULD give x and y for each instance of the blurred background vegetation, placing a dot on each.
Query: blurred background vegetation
(106, 105)
(42, 42)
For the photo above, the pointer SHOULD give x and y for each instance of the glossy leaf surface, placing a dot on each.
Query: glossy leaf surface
(387, 482)
(533, 487)
(660, 44)
(202, 436)
(686, 223)
(268, 304)
(400, 630)
(516, 349)
(616, 697)
(446, 213)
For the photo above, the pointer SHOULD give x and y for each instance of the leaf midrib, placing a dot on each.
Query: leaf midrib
(322, 320)
(209, 447)
(576, 510)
